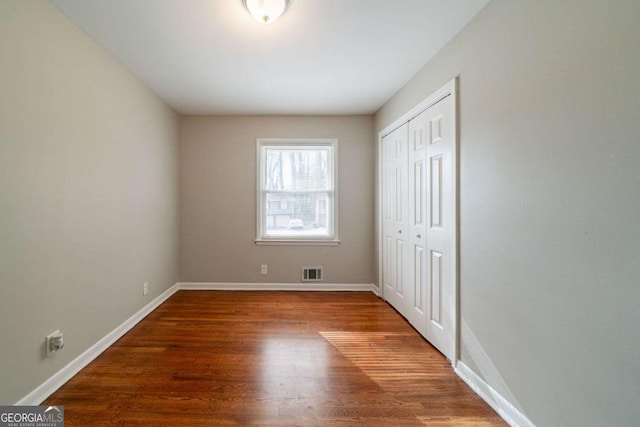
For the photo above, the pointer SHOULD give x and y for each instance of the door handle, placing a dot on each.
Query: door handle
(399, 231)
(418, 236)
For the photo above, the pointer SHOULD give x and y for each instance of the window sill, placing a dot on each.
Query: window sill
(294, 242)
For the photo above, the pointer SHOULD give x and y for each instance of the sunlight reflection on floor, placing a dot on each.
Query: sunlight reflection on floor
(305, 360)
(375, 353)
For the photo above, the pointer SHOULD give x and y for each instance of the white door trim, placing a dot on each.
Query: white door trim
(449, 89)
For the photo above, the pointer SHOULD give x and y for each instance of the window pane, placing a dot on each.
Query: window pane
(297, 214)
(297, 169)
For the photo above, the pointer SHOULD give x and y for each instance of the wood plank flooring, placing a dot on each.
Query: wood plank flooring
(213, 358)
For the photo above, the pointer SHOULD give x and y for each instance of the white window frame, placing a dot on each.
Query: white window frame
(261, 237)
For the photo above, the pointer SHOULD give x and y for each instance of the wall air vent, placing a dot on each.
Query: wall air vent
(311, 274)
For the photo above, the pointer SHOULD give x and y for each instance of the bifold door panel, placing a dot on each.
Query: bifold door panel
(419, 222)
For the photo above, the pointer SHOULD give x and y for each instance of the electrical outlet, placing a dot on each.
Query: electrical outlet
(54, 342)
(263, 269)
(145, 288)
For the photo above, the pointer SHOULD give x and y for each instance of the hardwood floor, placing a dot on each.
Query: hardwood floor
(213, 358)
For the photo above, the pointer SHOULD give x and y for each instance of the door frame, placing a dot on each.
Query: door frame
(449, 89)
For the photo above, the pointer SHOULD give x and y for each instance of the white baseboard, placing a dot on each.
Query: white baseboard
(44, 390)
(311, 286)
(506, 410)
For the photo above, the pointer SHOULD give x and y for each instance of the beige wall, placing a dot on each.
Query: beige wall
(88, 193)
(549, 203)
(218, 201)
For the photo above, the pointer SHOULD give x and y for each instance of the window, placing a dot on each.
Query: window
(297, 191)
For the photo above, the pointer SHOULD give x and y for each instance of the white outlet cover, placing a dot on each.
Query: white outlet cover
(47, 341)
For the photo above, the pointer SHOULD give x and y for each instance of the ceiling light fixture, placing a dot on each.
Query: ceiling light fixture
(266, 11)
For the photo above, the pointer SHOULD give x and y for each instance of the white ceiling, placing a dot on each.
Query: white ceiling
(321, 57)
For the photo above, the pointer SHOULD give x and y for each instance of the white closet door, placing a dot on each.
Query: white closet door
(395, 218)
(419, 219)
(416, 315)
(441, 227)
